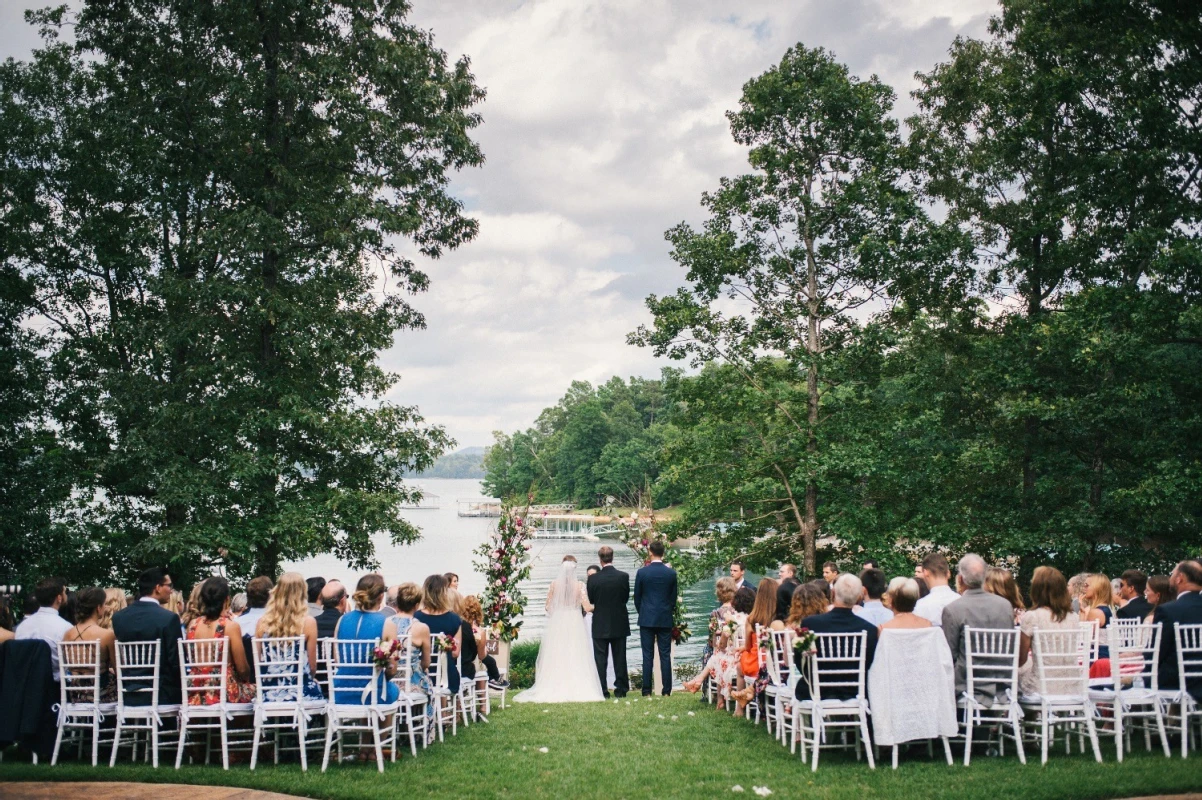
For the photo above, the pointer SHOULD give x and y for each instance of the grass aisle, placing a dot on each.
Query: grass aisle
(654, 749)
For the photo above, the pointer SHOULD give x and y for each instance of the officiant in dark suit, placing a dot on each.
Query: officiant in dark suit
(655, 600)
(608, 591)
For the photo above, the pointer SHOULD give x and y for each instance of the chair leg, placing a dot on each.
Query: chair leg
(116, 742)
(1043, 721)
(895, 756)
(183, 736)
(1118, 729)
(302, 727)
(947, 749)
(1016, 721)
(325, 758)
(375, 733)
(58, 742)
(254, 743)
(1092, 732)
(863, 733)
(95, 739)
(225, 747)
(814, 763)
(967, 736)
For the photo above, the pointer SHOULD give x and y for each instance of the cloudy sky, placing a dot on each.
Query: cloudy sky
(603, 125)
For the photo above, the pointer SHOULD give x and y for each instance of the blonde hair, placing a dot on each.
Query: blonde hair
(434, 595)
(1098, 586)
(725, 589)
(192, 610)
(454, 600)
(286, 608)
(175, 603)
(114, 601)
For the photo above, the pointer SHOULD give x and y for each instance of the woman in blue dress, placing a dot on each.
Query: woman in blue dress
(366, 621)
(436, 612)
(287, 615)
(408, 595)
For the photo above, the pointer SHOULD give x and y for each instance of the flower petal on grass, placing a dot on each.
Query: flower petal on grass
(547, 750)
(692, 713)
(736, 788)
(762, 791)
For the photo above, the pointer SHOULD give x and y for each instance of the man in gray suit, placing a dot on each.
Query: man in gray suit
(978, 609)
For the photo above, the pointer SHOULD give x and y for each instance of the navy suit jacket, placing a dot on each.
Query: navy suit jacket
(837, 620)
(147, 622)
(655, 595)
(1186, 610)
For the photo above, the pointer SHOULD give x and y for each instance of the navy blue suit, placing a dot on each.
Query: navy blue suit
(655, 601)
(145, 622)
(837, 620)
(1185, 610)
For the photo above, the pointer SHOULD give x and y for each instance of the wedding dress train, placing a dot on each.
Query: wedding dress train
(565, 671)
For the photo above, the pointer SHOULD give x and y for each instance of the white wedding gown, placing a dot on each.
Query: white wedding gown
(565, 671)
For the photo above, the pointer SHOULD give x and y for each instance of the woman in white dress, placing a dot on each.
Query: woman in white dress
(565, 671)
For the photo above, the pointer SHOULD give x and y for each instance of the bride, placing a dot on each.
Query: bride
(565, 671)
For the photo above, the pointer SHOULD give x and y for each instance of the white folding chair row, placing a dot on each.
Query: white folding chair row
(779, 691)
(446, 702)
(79, 706)
(357, 703)
(204, 675)
(139, 678)
(1063, 678)
(280, 703)
(1180, 707)
(1132, 691)
(836, 668)
(991, 670)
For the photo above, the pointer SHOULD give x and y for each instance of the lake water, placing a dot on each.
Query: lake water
(448, 541)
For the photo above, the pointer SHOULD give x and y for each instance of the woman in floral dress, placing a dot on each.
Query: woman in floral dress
(215, 622)
(286, 616)
(408, 596)
(724, 663)
(725, 590)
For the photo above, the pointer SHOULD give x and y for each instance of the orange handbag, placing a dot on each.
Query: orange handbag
(749, 661)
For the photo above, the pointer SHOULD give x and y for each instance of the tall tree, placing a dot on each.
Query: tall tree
(222, 189)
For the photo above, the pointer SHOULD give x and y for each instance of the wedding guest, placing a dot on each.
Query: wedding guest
(762, 617)
(114, 601)
(738, 571)
(238, 604)
(365, 622)
(7, 623)
(724, 590)
(808, 601)
(67, 609)
(315, 585)
(725, 660)
(1076, 585)
(258, 592)
(923, 589)
(1051, 609)
(216, 622)
(903, 597)
(145, 620)
(870, 563)
(937, 574)
(1186, 582)
(824, 587)
(784, 592)
(334, 604)
(1159, 592)
(475, 642)
(1116, 585)
(1132, 585)
(452, 580)
(89, 612)
(1097, 605)
(175, 602)
(192, 608)
(873, 610)
(47, 623)
(1001, 582)
(435, 611)
(287, 615)
(390, 600)
(847, 592)
(830, 572)
(408, 595)
(976, 608)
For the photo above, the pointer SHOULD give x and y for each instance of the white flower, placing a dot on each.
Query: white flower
(675, 717)
(762, 791)
(616, 702)
(692, 714)
(736, 788)
(545, 750)
(627, 702)
(661, 716)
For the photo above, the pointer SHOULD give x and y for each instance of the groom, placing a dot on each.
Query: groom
(655, 600)
(608, 591)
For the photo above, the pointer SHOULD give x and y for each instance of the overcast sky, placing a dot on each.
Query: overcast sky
(603, 125)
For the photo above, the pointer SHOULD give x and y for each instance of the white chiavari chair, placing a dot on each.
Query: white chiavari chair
(138, 708)
(1063, 697)
(836, 669)
(991, 671)
(204, 673)
(358, 703)
(79, 706)
(1131, 693)
(280, 704)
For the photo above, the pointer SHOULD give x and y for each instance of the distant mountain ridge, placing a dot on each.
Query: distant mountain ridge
(467, 462)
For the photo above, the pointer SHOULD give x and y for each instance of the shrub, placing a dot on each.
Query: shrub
(522, 658)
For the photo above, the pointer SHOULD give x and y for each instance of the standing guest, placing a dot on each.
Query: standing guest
(216, 622)
(738, 571)
(784, 592)
(1186, 581)
(475, 642)
(937, 574)
(589, 610)
(114, 601)
(147, 620)
(89, 611)
(1001, 582)
(365, 622)
(655, 599)
(725, 592)
(841, 619)
(47, 623)
(258, 592)
(407, 596)
(830, 572)
(287, 615)
(1051, 609)
(903, 597)
(452, 580)
(1097, 606)
(873, 610)
(976, 608)
(808, 601)
(315, 585)
(238, 604)
(334, 604)
(1132, 585)
(1159, 592)
(436, 612)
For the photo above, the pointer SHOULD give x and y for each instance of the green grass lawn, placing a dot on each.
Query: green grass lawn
(629, 751)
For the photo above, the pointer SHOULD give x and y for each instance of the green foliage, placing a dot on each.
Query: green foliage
(522, 658)
(465, 463)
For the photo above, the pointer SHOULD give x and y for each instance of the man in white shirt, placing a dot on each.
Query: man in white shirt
(45, 623)
(873, 610)
(937, 574)
(737, 572)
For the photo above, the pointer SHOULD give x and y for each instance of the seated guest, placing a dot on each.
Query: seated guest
(1159, 592)
(1051, 609)
(365, 622)
(435, 611)
(725, 661)
(784, 592)
(47, 623)
(287, 615)
(1097, 605)
(146, 620)
(334, 604)
(751, 678)
(192, 608)
(475, 643)
(724, 590)
(840, 619)
(1001, 582)
(258, 591)
(976, 608)
(808, 601)
(114, 601)
(825, 588)
(216, 622)
(1076, 586)
(89, 611)
(873, 609)
(67, 609)
(1186, 581)
(315, 586)
(923, 589)
(238, 604)
(175, 603)
(1132, 585)
(390, 600)
(937, 574)
(407, 596)
(6, 620)
(903, 597)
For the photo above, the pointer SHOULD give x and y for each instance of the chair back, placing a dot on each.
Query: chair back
(1189, 655)
(1058, 662)
(1091, 640)
(779, 661)
(279, 668)
(1134, 655)
(138, 674)
(325, 654)
(203, 668)
(837, 666)
(404, 667)
(79, 673)
(991, 662)
(440, 663)
(354, 676)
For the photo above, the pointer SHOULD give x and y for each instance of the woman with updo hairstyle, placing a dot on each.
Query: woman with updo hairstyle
(365, 622)
(436, 612)
(89, 611)
(475, 641)
(214, 621)
(408, 595)
(724, 591)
